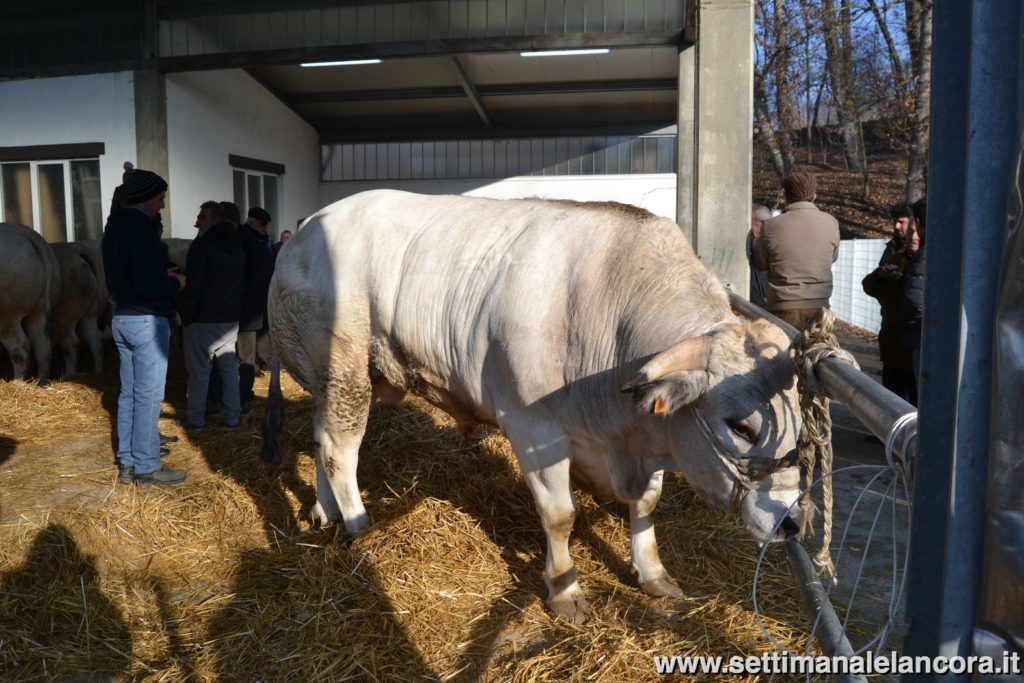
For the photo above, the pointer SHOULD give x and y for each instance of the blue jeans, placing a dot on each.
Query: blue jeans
(143, 342)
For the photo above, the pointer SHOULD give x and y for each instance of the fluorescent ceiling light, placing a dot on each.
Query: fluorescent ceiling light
(564, 53)
(350, 62)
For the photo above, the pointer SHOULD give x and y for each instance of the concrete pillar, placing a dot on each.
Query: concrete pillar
(685, 187)
(151, 131)
(723, 126)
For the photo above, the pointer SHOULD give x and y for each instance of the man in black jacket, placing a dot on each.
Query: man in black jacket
(215, 263)
(259, 266)
(912, 304)
(142, 288)
(900, 216)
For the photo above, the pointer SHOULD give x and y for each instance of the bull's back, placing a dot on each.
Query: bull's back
(460, 290)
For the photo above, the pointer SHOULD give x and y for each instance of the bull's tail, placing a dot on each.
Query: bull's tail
(273, 416)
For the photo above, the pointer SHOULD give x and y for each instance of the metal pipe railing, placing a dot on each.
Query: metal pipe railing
(876, 407)
(829, 630)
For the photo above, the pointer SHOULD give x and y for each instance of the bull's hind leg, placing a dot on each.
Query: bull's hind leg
(14, 341)
(88, 329)
(338, 429)
(543, 452)
(42, 346)
(68, 342)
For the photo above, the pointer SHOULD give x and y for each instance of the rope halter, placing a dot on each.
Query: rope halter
(816, 343)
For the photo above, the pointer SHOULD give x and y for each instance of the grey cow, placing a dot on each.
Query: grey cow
(29, 289)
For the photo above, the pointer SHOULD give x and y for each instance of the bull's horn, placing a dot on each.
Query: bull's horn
(689, 354)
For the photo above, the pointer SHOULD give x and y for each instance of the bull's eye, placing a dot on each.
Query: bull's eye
(742, 429)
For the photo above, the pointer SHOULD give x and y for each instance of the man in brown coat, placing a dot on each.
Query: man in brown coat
(798, 249)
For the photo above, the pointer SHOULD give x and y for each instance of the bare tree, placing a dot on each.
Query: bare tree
(895, 61)
(837, 29)
(774, 106)
(919, 38)
(785, 107)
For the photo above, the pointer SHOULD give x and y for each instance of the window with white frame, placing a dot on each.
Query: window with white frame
(60, 198)
(256, 183)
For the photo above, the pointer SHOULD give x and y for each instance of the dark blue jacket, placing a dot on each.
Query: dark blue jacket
(259, 266)
(214, 266)
(135, 265)
(912, 305)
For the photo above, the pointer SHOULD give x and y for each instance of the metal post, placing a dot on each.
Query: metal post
(685, 143)
(940, 347)
(950, 492)
(831, 637)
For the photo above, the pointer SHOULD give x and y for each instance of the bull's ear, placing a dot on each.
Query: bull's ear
(673, 378)
(671, 392)
(689, 354)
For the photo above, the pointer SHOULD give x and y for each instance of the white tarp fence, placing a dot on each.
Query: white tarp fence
(857, 258)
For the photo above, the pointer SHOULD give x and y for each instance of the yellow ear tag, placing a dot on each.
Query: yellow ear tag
(659, 406)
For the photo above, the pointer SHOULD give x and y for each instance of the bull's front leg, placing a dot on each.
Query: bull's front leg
(556, 506)
(544, 456)
(653, 578)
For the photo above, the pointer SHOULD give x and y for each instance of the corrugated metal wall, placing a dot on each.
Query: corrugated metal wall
(503, 158)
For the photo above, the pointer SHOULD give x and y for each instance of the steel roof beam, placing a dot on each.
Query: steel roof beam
(333, 133)
(470, 90)
(559, 88)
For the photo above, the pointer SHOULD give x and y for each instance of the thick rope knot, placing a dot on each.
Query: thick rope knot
(816, 343)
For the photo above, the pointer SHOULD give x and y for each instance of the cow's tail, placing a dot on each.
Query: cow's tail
(273, 416)
(95, 263)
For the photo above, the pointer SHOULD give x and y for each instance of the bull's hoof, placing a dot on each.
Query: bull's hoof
(665, 587)
(571, 608)
(319, 518)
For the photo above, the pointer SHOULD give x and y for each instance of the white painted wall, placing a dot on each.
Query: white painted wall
(72, 109)
(212, 114)
(655, 192)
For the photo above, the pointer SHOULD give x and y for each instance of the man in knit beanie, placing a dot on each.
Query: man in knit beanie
(798, 249)
(142, 288)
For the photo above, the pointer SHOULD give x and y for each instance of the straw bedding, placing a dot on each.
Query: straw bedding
(222, 578)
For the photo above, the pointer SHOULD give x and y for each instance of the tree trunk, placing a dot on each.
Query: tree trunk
(765, 132)
(919, 37)
(839, 63)
(895, 63)
(784, 105)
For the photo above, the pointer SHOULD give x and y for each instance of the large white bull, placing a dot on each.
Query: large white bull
(589, 333)
(29, 287)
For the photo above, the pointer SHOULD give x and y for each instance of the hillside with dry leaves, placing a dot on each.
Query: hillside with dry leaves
(841, 192)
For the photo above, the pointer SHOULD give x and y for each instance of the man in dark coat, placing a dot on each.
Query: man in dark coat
(259, 266)
(886, 284)
(912, 304)
(142, 288)
(215, 263)
(900, 216)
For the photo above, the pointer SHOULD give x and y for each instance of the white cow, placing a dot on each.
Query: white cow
(29, 288)
(82, 303)
(589, 333)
